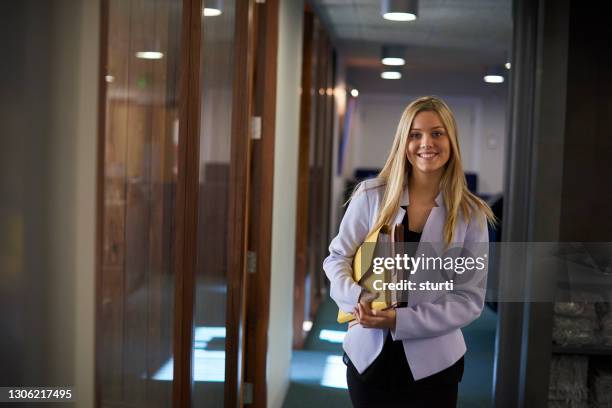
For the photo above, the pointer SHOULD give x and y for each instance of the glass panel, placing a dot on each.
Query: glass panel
(212, 264)
(137, 266)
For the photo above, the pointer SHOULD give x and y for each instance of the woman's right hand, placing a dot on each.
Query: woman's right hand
(365, 299)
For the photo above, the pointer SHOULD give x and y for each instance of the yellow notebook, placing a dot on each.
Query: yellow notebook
(361, 263)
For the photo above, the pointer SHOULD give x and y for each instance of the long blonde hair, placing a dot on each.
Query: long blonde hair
(453, 185)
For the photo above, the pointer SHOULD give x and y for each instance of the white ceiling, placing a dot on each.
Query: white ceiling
(448, 35)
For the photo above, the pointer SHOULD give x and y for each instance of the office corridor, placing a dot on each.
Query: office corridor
(318, 373)
(173, 172)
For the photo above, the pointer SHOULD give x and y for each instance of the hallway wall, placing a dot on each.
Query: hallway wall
(48, 184)
(285, 192)
(481, 123)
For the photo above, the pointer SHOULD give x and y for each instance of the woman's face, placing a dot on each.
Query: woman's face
(428, 144)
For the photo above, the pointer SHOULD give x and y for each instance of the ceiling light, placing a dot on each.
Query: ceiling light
(494, 75)
(151, 55)
(393, 55)
(494, 79)
(390, 75)
(211, 12)
(399, 10)
(212, 8)
(354, 93)
(392, 61)
(507, 65)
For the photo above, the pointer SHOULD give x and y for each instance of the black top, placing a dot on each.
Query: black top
(411, 236)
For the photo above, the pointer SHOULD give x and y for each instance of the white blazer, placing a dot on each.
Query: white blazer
(430, 327)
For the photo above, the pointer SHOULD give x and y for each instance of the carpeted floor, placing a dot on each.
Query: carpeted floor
(318, 374)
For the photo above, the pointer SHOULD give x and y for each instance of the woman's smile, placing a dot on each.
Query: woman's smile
(427, 155)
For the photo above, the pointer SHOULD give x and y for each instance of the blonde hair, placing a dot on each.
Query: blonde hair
(457, 198)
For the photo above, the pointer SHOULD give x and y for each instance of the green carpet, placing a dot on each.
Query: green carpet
(318, 374)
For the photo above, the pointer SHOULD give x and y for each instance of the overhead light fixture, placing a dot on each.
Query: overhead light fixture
(494, 75)
(507, 65)
(493, 79)
(393, 55)
(399, 10)
(390, 75)
(150, 55)
(212, 8)
(354, 93)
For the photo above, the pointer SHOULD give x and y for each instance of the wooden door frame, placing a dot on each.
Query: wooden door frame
(238, 202)
(303, 179)
(239, 182)
(101, 170)
(261, 201)
(187, 200)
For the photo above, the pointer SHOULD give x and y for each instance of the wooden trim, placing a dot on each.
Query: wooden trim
(103, 55)
(262, 180)
(301, 227)
(326, 176)
(316, 254)
(239, 201)
(187, 199)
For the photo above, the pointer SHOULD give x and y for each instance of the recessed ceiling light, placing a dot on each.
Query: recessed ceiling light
(494, 79)
(151, 55)
(495, 74)
(399, 16)
(211, 12)
(212, 8)
(508, 65)
(393, 61)
(390, 75)
(393, 55)
(354, 93)
(399, 10)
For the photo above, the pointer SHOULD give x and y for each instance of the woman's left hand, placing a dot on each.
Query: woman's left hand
(378, 319)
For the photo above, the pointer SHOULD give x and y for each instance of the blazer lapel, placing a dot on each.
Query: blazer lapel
(433, 231)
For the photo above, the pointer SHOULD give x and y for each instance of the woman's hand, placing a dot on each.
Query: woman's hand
(378, 319)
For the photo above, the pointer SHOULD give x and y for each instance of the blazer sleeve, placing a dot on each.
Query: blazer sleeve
(457, 308)
(338, 265)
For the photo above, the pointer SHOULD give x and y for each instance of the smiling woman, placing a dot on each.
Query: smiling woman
(422, 188)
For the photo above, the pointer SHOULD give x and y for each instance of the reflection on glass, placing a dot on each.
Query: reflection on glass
(318, 368)
(208, 363)
(333, 336)
(137, 265)
(334, 373)
(217, 65)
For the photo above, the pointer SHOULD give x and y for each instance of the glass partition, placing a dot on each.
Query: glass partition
(136, 270)
(217, 68)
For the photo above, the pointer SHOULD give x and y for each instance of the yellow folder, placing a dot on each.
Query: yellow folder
(361, 263)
